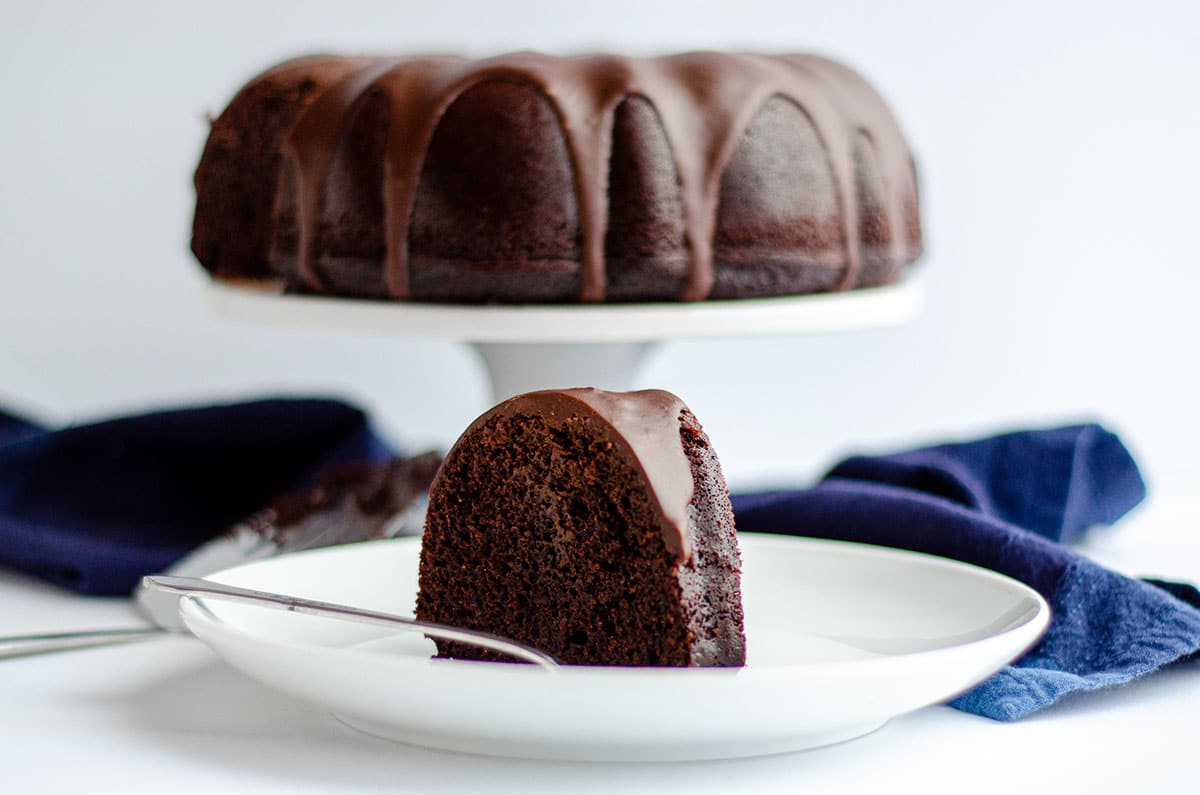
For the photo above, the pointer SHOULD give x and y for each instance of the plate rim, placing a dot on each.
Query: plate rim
(1034, 624)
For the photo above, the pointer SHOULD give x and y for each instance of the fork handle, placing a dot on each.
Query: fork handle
(24, 645)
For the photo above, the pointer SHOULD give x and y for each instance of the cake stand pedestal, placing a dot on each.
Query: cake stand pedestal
(533, 347)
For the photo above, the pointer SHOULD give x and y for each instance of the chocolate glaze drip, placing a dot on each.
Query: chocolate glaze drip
(705, 102)
(645, 427)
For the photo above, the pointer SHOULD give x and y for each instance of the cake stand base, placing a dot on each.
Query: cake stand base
(517, 367)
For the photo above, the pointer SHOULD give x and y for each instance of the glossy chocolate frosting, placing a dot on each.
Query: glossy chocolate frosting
(704, 101)
(643, 426)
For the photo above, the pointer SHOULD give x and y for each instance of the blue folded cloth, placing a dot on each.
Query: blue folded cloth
(1008, 503)
(95, 507)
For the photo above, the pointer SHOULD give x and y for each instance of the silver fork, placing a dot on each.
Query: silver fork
(246, 542)
(193, 587)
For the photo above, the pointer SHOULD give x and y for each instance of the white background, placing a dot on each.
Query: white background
(1057, 145)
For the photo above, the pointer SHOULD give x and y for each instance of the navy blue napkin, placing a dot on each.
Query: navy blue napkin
(1010, 503)
(95, 507)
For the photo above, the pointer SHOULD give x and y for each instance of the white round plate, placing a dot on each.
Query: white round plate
(853, 309)
(841, 637)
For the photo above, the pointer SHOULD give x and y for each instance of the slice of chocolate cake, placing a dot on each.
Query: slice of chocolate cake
(595, 526)
(352, 502)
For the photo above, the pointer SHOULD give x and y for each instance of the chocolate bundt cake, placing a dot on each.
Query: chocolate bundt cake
(530, 178)
(593, 525)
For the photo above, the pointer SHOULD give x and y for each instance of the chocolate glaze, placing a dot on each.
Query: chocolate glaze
(705, 102)
(644, 426)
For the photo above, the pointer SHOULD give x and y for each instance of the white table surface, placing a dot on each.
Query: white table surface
(167, 713)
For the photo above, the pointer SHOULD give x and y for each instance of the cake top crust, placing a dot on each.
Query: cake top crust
(705, 101)
(643, 427)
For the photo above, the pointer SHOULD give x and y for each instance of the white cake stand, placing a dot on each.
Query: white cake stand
(541, 347)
